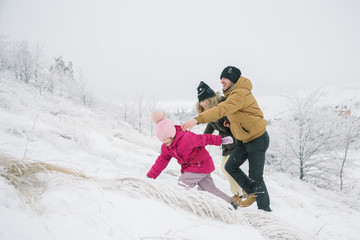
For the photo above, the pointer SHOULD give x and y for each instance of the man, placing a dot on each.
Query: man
(248, 126)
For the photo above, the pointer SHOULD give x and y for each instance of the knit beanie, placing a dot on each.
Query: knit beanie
(204, 91)
(231, 73)
(164, 127)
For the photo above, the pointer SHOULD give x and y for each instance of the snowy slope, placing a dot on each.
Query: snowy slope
(83, 177)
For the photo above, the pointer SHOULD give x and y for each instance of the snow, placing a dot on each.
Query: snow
(106, 195)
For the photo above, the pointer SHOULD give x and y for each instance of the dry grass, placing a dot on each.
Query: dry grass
(200, 203)
(27, 176)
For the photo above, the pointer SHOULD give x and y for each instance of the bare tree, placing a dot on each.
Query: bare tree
(349, 132)
(22, 62)
(39, 80)
(152, 105)
(140, 110)
(305, 133)
(125, 110)
(128, 112)
(80, 90)
(4, 52)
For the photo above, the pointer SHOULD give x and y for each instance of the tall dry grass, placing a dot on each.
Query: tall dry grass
(29, 176)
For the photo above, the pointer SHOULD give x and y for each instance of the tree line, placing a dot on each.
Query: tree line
(26, 62)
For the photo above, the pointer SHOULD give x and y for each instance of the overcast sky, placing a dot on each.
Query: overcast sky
(164, 48)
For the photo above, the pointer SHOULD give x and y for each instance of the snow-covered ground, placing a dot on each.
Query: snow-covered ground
(94, 185)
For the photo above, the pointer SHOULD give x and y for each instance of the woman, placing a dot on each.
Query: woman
(208, 99)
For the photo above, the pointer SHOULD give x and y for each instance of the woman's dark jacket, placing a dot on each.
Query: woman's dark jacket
(223, 132)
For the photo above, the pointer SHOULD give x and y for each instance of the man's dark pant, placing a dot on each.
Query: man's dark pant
(254, 151)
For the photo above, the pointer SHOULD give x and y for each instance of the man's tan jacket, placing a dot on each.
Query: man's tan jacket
(240, 107)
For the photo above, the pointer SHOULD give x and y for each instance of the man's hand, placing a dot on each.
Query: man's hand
(189, 125)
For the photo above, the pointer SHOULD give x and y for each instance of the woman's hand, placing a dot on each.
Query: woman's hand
(227, 140)
(189, 125)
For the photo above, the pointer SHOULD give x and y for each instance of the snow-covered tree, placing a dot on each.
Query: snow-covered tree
(62, 73)
(348, 134)
(4, 52)
(81, 90)
(22, 61)
(152, 105)
(39, 78)
(302, 138)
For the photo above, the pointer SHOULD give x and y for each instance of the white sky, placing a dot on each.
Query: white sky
(163, 48)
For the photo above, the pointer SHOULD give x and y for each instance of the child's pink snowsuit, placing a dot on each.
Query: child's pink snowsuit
(189, 150)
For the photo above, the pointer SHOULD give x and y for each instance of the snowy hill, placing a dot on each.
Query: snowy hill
(73, 172)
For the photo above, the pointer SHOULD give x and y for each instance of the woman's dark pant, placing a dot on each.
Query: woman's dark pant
(254, 151)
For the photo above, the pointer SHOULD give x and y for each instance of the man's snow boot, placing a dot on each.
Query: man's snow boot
(244, 200)
(247, 200)
(236, 199)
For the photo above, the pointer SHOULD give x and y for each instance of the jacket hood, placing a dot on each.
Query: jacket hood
(241, 83)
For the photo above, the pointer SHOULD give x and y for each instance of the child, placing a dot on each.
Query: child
(189, 150)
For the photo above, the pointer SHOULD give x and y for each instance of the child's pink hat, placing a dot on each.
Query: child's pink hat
(164, 127)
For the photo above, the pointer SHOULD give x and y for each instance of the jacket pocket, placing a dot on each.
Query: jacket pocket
(244, 129)
(239, 131)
